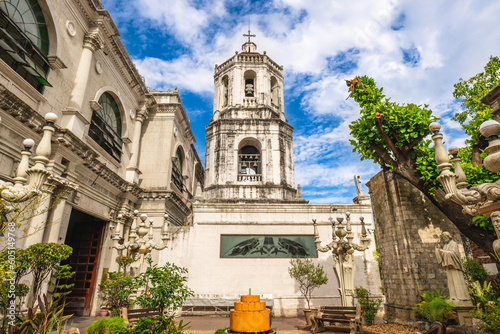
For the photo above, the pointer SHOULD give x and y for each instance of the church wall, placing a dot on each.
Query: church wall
(155, 162)
(197, 248)
(408, 228)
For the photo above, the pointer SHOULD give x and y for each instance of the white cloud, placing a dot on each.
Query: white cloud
(185, 73)
(435, 44)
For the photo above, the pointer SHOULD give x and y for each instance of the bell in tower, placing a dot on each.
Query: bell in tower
(249, 154)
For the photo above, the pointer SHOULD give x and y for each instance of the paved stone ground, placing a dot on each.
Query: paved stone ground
(207, 325)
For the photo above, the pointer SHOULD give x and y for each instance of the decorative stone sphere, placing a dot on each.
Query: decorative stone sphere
(341, 233)
(453, 150)
(28, 143)
(136, 212)
(490, 128)
(340, 219)
(143, 216)
(434, 126)
(347, 213)
(51, 117)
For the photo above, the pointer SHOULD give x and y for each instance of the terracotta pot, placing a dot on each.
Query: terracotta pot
(308, 313)
(104, 312)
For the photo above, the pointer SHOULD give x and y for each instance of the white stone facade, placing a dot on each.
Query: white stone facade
(247, 188)
(87, 60)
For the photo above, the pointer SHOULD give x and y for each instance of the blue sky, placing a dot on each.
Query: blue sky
(416, 50)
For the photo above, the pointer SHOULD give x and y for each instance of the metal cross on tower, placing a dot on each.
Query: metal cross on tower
(249, 33)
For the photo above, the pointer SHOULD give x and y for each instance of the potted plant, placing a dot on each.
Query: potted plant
(117, 291)
(309, 277)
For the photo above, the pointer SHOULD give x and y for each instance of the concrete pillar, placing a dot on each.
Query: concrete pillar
(132, 174)
(60, 215)
(38, 222)
(91, 43)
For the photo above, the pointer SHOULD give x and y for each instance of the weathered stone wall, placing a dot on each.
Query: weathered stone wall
(408, 228)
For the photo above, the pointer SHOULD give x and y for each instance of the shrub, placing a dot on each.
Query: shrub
(490, 317)
(157, 325)
(435, 306)
(107, 326)
(474, 271)
(42, 259)
(308, 276)
(166, 287)
(370, 307)
(222, 330)
(48, 320)
(117, 291)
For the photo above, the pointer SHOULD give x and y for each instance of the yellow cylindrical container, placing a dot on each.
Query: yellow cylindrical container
(250, 315)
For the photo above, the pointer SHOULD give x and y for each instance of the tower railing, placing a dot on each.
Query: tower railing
(249, 177)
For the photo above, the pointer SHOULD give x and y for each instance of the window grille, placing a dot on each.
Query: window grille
(105, 127)
(24, 42)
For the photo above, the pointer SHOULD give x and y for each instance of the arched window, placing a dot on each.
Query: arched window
(24, 41)
(177, 162)
(249, 164)
(106, 126)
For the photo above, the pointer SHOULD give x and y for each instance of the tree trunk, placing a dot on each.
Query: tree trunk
(450, 209)
(477, 147)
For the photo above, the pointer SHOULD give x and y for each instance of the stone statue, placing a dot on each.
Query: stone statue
(449, 258)
(358, 184)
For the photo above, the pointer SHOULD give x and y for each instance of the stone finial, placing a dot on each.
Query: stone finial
(299, 191)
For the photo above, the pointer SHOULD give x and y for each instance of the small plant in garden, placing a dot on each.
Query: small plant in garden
(45, 318)
(116, 292)
(124, 261)
(490, 317)
(370, 305)
(157, 325)
(474, 271)
(435, 306)
(63, 273)
(107, 326)
(221, 330)
(42, 259)
(166, 287)
(308, 276)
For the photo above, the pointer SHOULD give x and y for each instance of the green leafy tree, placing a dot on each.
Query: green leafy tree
(475, 112)
(61, 287)
(474, 271)
(166, 288)
(117, 291)
(392, 135)
(308, 276)
(42, 259)
(369, 305)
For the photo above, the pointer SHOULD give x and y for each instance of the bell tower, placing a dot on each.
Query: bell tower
(249, 153)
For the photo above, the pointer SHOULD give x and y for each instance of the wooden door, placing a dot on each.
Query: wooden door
(86, 242)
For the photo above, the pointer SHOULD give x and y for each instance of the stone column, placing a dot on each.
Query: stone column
(72, 118)
(37, 223)
(91, 43)
(60, 215)
(132, 174)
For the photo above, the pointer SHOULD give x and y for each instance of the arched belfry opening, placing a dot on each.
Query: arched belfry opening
(249, 161)
(274, 91)
(250, 83)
